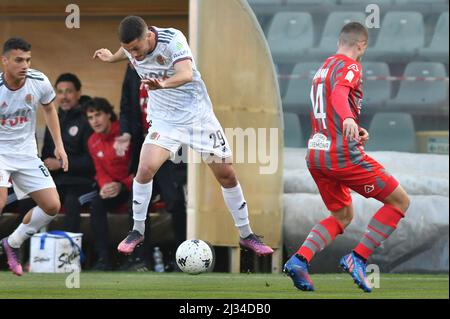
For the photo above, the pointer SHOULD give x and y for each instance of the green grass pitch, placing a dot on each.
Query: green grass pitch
(216, 285)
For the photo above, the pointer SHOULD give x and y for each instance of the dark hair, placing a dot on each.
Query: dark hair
(99, 104)
(131, 28)
(352, 33)
(69, 77)
(16, 44)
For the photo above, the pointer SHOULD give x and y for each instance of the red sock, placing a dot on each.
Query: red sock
(383, 223)
(320, 236)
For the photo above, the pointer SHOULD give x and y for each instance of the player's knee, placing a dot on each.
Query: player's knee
(227, 179)
(345, 219)
(404, 202)
(400, 200)
(51, 207)
(145, 174)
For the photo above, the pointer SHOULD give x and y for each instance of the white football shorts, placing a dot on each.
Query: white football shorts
(28, 174)
(206, 137)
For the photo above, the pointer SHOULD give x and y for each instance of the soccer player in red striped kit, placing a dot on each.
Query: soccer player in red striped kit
(338, 163)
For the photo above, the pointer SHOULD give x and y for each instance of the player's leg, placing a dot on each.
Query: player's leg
(172, 193)
(4, 185)
(370, 179)
(151, 159)
(3, 197)
(236, 204)
(48, 206)
(384, 222)
(338, 201)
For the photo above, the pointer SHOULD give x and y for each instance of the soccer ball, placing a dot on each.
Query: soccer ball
(194, 256)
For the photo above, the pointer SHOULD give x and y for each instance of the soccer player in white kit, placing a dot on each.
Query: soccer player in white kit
(21, 91)
(179, 112)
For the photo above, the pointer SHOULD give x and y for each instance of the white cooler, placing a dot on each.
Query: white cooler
(56, 252)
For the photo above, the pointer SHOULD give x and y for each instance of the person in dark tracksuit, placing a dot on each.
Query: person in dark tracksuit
(75, 131)
(171, 177)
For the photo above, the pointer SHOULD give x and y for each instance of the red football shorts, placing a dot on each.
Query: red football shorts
(368, 178)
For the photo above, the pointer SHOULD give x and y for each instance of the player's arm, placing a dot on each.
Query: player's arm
(106, 56)
(183, 74)
(339, 99)
(52, 121)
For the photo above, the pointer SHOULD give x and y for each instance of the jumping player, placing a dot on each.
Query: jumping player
(21, 91)
(338, 163)
(181, 113)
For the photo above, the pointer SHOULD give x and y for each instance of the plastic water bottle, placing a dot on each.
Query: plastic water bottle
(158, 260)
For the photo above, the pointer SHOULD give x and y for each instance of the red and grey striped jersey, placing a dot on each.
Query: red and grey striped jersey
(327, 148)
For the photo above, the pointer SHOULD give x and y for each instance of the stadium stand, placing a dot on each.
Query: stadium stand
(402, 34)
(293, 136)
(376, 92)
(290, 35)
(329, 38)
(405, 67)
(297, 97)
(421, 96)
(392, 132)
(437, 51)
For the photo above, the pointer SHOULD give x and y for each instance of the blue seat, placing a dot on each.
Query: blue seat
(392, 132)
(376, 92)
(297, 97)
(437, 51)
(422, 97)
(290, 35)
(293, 136)
(402, 34)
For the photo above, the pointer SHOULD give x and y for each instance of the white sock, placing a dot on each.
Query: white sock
(234, 199)
(38, 220)
(142, 193)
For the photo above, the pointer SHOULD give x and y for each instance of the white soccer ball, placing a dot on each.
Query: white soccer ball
(194, 256)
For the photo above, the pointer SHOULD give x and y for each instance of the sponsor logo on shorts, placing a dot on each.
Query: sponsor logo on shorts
(369, 188)
(155, 136)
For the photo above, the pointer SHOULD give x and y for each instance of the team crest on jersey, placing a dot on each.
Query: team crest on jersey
(29, 99)
(353, 67)
(100, 154)
(73, 130)
(160, 59)
(4, 105)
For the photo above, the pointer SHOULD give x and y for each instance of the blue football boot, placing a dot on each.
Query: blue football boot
(356, 267)
(298, 271)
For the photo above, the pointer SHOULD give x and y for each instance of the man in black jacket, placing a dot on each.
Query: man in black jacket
(75, 131)
(169, 180)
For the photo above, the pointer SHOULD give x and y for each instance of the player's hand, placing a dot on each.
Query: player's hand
(122, 143)
(61, 155)
(363, 135)
(110, 190)
(351, 129)
(52, 164)
(152, 84)
(103, 54)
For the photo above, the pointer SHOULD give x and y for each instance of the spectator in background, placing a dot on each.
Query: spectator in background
(169, 180)
(112, 176)
(75, 131)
